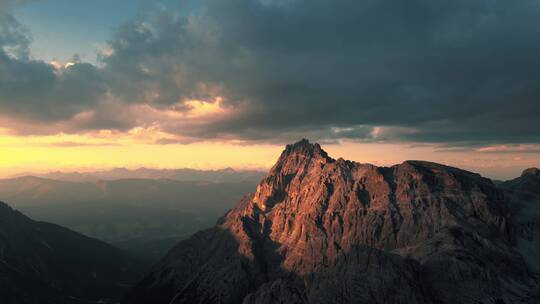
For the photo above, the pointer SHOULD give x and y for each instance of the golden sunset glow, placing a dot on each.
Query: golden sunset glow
(199, 108)
(195, 91)
(130, 150)
(137, 148)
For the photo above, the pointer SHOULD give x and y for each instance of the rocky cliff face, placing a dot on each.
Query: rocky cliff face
(319, 230)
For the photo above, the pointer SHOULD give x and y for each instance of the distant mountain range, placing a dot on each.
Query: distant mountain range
(321, 230)
(46, 263)
(228, 175)
(131, 211)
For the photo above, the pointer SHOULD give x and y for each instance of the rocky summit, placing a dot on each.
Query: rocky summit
(320, 230)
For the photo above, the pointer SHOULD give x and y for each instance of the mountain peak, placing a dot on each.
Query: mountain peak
(299, 155)
(302, 143)
(304, 147)
(317, 230)
(529, 181)
(531, 171)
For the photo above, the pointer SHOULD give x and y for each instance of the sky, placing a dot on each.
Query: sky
(212, 84)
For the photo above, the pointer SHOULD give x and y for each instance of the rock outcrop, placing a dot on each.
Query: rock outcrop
(320, 230)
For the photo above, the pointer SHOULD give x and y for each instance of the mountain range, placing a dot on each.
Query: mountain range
(185, 174)
(316, 230)
(321, 230)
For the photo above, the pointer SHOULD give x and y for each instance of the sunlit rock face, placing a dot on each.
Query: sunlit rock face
(320, 230)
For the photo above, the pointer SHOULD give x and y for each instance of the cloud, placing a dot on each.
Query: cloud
(510, 149)
(71, 144)
(62, 144)
(33, 90)
(455, 72)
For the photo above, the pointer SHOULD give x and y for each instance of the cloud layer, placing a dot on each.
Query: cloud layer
(460, 72)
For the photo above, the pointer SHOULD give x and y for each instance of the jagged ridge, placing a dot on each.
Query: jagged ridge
(319, 230)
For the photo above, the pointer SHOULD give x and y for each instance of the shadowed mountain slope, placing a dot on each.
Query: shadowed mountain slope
(524, 194)
(529, 181)
(126, 209)
(319, 230)
(46, 263)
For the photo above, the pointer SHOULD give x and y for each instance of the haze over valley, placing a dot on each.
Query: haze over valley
(122, 208)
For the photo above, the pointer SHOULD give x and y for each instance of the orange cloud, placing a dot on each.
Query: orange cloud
(524, 148)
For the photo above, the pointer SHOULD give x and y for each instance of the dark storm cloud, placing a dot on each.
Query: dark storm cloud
(444, 71)
(33, 90)
(36, 90)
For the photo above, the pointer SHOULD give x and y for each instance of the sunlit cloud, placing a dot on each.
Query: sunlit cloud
(204, 76)
(515, 149)
(393, 82)
(200, 108)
